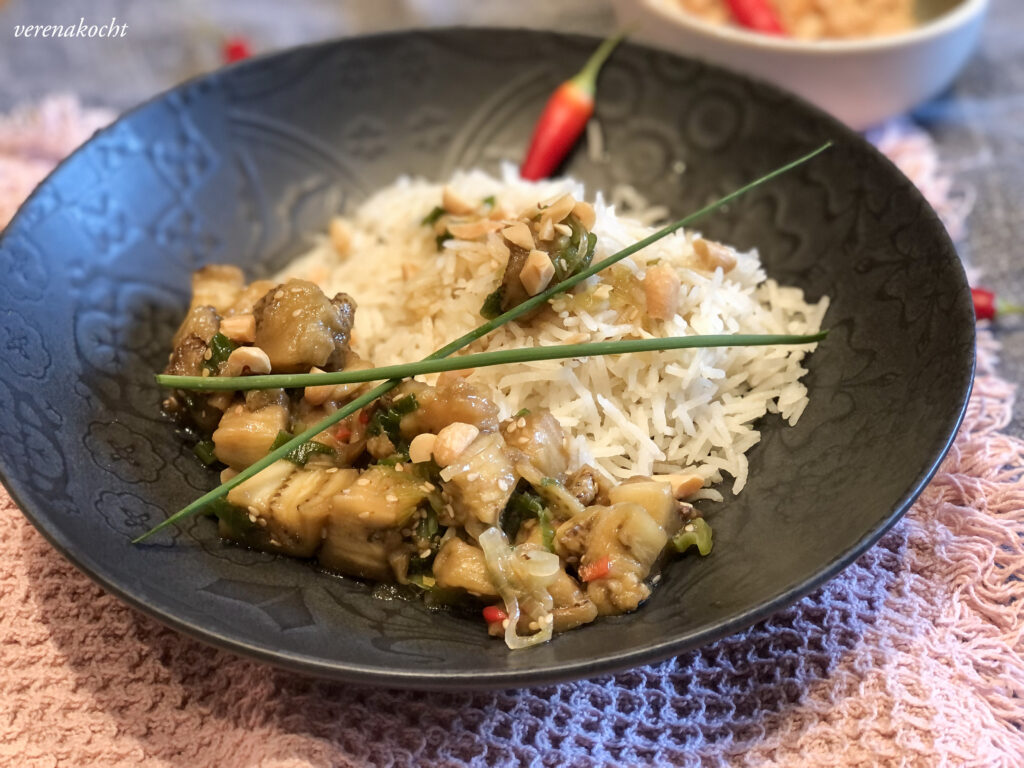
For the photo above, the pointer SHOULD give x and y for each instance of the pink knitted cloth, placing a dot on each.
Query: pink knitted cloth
(912, 657)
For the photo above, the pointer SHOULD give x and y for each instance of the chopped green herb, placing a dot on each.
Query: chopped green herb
(303, 452)
(696, 533)
(433, 216)
(220, 347)
(427, 528)
(235, 518)
(521, 413)
(204, 452)
(440, 239)
(573, 253)
(525, 505)
(547, 529)
(489, 200)
(386, 421)
(492, 304)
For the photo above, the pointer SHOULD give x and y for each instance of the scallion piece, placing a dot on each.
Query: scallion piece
(302, 453)
(204, 451)
(696, 533)
(220, 348)
(468, 338)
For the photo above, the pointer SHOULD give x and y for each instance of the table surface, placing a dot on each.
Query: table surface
(978, 123)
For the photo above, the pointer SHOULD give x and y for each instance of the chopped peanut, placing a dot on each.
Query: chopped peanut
(661, 289)
(245, 360)
(422, 447)
(584, 211)
(683, 485)
(452, 441)
(559, 209)
(319, 394)
(546, 230)
(341, 237)
(711, 255)
(470, 230)
(239, 328)
(455, 203)
(519, 234)
(537, 272)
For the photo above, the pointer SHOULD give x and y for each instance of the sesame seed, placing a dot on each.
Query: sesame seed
(511, 429)
(429, 486)
(363, 515)
(262, 521)
(391, 498)
(425, 553)
(523, 440)
(362, 481)
(253, 511)
(521, 422)
(252, 518)
(279, 295)
(504, 623)
(689, 528)
(472, 476)
(398, 468)
(548, 618)
(332, 470)
(534, 625)
(275, 543)
(656, 579)
(297, 312)
(425, 488)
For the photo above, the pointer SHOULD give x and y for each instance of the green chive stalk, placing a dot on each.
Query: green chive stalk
(482, 360)
(467, 339)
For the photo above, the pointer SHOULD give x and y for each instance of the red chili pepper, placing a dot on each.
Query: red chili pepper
(342, 433)
(493, 613)
(595, 570)
(235, 49)
(364, 416)
(565, 116)
(758, 15)
(988, 307)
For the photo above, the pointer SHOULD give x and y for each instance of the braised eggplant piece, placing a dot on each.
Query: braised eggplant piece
(299, 327)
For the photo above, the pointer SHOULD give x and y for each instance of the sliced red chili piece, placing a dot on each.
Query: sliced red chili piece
(493, 613)
(595, 570)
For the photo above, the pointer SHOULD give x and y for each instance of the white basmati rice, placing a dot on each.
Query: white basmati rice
(650, 413)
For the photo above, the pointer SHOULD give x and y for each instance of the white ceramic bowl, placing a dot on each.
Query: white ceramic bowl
(862, 82)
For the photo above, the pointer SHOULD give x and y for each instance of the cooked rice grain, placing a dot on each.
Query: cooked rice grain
(648, 413)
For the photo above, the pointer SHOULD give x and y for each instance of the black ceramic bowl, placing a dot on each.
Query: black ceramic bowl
(242, 165)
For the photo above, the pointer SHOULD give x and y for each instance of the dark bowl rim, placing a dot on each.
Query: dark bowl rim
(499, 679)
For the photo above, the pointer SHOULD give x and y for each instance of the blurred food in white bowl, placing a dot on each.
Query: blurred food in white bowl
(861, 60)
